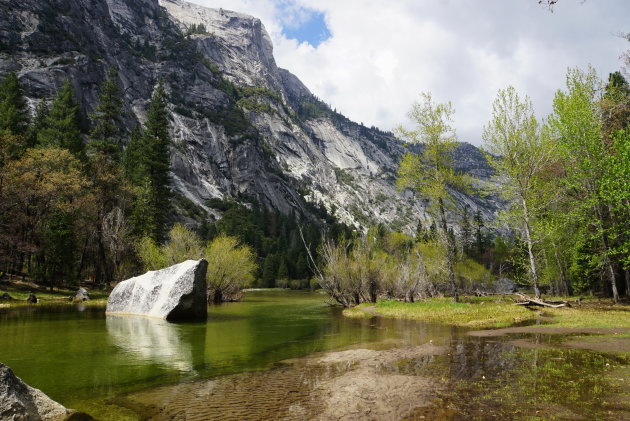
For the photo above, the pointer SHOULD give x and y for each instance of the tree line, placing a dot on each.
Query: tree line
(85, 198)
(71, 200)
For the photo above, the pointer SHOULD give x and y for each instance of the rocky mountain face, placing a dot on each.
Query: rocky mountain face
(241, 127)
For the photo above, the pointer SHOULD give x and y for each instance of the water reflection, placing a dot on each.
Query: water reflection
(151, 340)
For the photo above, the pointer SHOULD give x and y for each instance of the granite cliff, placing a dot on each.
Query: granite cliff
(241, 127)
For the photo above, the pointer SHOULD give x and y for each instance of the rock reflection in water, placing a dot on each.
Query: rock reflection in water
(151, 340)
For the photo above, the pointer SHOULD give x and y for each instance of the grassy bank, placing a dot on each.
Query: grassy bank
(19, 291)
(479, 312)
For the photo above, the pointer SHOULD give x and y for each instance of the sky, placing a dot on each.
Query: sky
(371, 59)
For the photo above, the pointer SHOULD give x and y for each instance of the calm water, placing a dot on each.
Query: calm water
(84, 359)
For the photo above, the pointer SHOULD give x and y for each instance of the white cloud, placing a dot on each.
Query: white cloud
(381, 55)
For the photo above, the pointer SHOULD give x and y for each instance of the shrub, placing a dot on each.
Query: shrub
(231, 268)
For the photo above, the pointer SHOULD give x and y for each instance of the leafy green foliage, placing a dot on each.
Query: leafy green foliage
(525, 155)
(391, 265)
(592, 167)
(432, 173)
(41, 197)
(151, 255)
(231, 267)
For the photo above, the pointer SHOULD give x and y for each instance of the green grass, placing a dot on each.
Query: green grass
(19, 291)
(605, 316)
(481, 312)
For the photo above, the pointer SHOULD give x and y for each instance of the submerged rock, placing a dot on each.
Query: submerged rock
(174, 293)
(19, 401)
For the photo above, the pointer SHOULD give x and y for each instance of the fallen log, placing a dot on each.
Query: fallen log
(529, 301)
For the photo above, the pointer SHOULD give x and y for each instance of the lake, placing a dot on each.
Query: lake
(112, 367)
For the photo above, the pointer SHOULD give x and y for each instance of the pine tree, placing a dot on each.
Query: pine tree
(466, 232)
(283, 272)
(13, 113)
(106, 175)
(157, 141)
(147, 164)
(38, 123)
(62, 123)
(301, 267)
(420, 232)
(479, 233)
(269, 271)
(107, 119)
(133, 157)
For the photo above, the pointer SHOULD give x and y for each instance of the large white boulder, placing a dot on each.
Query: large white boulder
(21, 402)
(177, 292)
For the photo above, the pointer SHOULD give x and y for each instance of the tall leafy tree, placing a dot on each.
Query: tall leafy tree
(62, 126)
(13, 112)
(39, 202)
(524, 155)
(578, 124)
(432, 173)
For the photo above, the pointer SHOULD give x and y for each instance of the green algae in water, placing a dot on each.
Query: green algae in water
(545, 384)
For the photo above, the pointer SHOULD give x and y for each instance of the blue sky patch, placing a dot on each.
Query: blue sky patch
(305, 25)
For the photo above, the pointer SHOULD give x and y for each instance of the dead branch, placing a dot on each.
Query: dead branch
(529, 301)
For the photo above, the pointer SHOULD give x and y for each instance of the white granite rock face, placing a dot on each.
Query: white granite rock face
(175, 293)
(282, 158)
(21, 402)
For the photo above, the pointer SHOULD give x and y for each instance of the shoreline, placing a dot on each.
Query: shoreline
(497, 312)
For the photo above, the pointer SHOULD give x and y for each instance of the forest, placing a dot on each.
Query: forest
(82, 198)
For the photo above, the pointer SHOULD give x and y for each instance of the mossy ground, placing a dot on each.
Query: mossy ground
(499, 311)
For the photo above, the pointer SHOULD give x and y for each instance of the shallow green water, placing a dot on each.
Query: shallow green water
(86, 360)
(78, 356)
